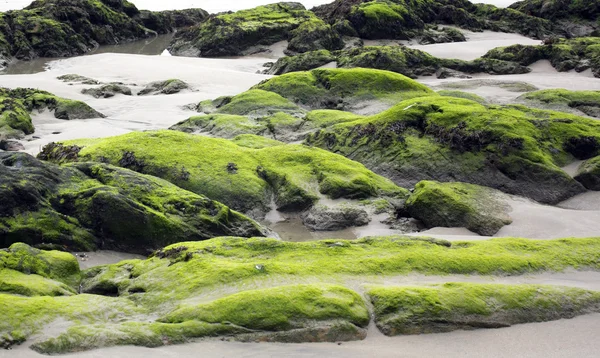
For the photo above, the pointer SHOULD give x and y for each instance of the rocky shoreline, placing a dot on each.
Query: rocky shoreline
(209, 166)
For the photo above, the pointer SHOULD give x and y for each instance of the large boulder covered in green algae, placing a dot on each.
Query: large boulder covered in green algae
(400, 59)
(577, 54)
(17, 104)
(288, 107)
(455, 306)
(242, 177)
(403, 19)
(61, 28)
(588, 173)
(515, 149)
(87, 206)
(587, 102)
(245, 31)
(479, 209)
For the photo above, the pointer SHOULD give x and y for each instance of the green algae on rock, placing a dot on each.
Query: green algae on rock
(588, 174)
(579, 54)
(17, 104)
(339, 88)
(454, 306)
(587, 102)
(85, 206)
(107, 90)
(461, 94)
(577, 18)
(451, 139)
(234, 34)
(403, 19)
(194, 287)
(479, 209)
(170, 86)
(241, 177)
(400, 59)
(60, 28)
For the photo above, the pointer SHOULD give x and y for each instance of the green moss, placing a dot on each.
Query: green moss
(231, 34)
(255, 142)
(55, 265)
(302, 62)
(24, 316)
(452, 306)
(295, 173)
(233, 261)
(280, 308)
(255, 102)
(477, 208)
(18, 283)
(322, 88)
(323, 118)
(146, 334)
(440, 135)
(461, 94)
(586, 101)
(221, 125)
(588, 174)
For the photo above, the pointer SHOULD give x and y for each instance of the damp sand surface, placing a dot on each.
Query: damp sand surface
(103, 257)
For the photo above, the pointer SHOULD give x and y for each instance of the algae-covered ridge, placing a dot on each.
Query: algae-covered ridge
(241, 177)
(265, 289)
(16, 106)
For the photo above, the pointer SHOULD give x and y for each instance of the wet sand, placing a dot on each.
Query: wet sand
(103, 257)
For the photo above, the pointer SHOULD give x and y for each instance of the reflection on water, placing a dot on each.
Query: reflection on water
(152, 46)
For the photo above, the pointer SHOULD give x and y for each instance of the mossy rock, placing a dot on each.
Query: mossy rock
(564, 54)
(108, 90)
(240, 176)
(454, 306)
(17, 104)
(588, 174)
(465, 95)
(587, 102)
(481, 210)
(86, 206)
(399, 59)
(340, 88)
(245, 31)
(452, 139)
(18, 283)
(75, 78)
(62, 28)
(170, 86)
(53, 265)
(404, 19)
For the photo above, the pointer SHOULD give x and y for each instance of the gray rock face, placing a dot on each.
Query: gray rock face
(108, 90)
(171, 86)
(322, 218)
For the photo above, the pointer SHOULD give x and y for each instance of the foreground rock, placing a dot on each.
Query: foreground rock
(87, 206)
(479, 209)
(455, 306)
(587, 102)
(322, 218)
(248, 31)
(191, 290)
(17, 104)
(242, 177)
(62, 28)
